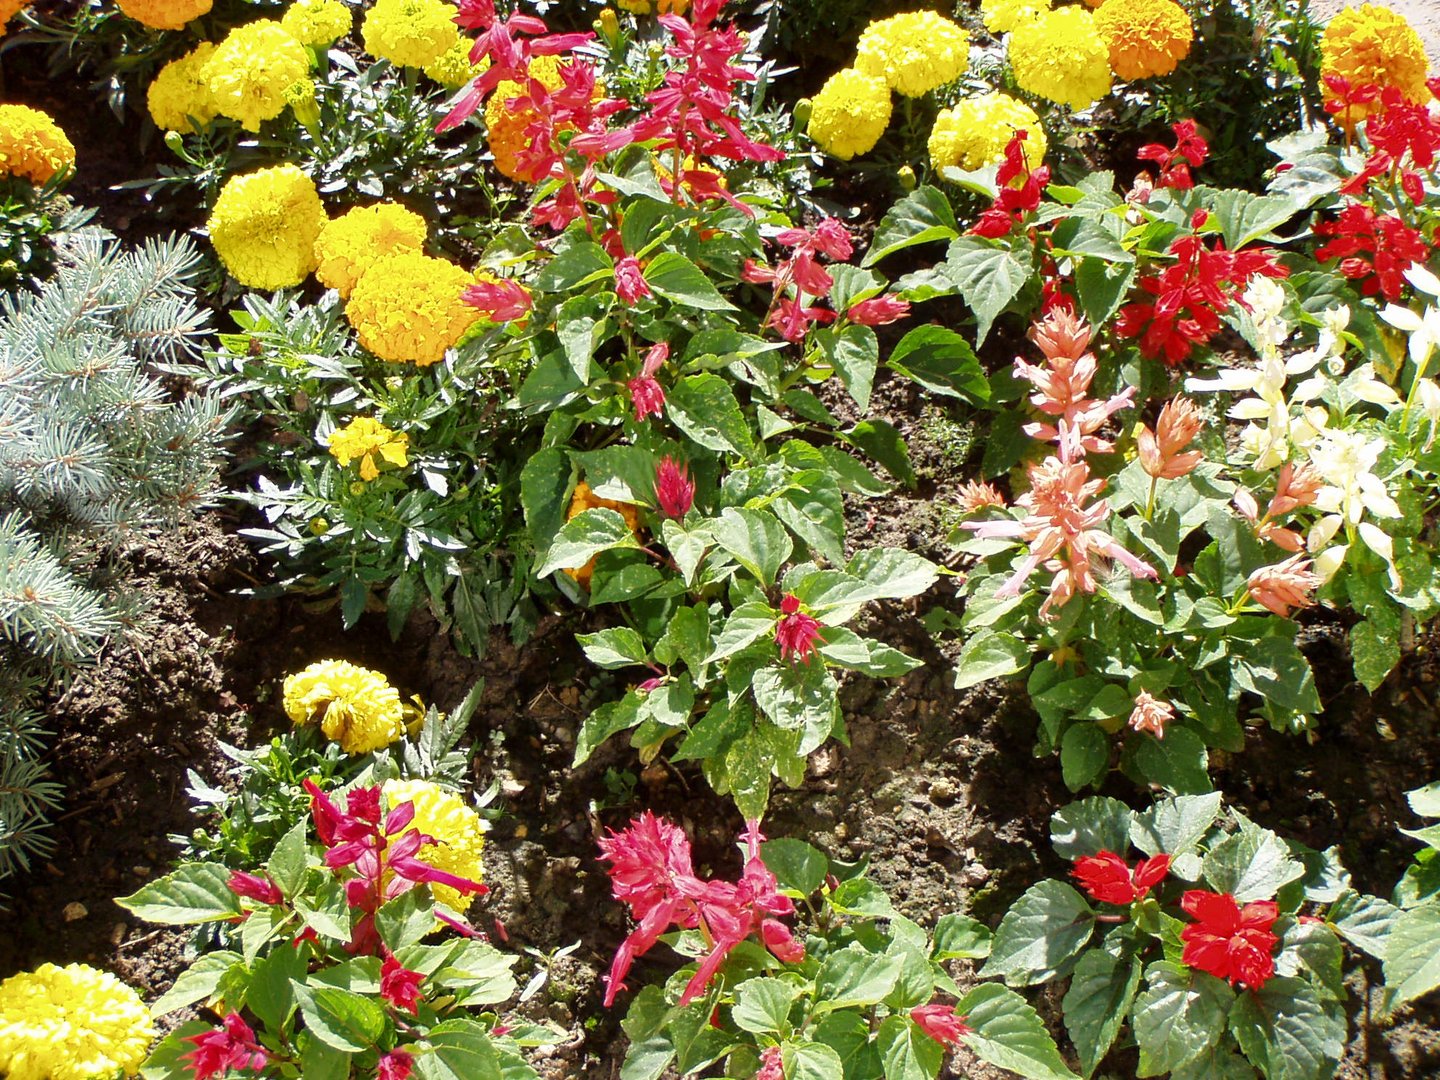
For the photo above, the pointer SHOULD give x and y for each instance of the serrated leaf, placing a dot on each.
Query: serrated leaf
(704, 408)
(920, 217)
(1084, 755)
(763, 1005)
(1178, 1016)
(680, 281)
(1251, 864)
(1289, 1031)
(1041, 934)
(617, 647)
(1007, 1032)
(459, 1050)
(988, 276)
(854, 977)
(959, 937)
(1364, 921)
(854, 352)
(196, 983)
(906, 1052)
(943, 362)
(193, 893)
(756, 540)
(340, 1019)
(1091, 826)
(1176, 825)
(1412, 954)
(1097, 1003)
(584, 536)
(990, 656)
(795, 864)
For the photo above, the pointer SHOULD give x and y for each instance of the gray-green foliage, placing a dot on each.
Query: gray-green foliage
(95, 449)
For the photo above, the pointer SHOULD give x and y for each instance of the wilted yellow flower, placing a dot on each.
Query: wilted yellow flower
(406, 308)
(660, 7)
(181, 92)
(250, 72)
(1372, 45)
(355, 707)
(317, 22)
(363, 438)
(1061, 56)
(264, 227)
(349, 244)
(410, 33)
(849, 114)
(585, 499)
(164, 14)
(458, 831)
(71, 1023)
(505, 124)
(452, 68)
(8, 10)
(976, 131)
(1002, 16)
(914, 52)
(32, 145)
(1146, 37)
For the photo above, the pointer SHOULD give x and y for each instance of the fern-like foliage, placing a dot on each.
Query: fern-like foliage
(95, 450)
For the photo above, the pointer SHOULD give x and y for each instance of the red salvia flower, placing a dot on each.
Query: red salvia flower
(231, 1046)
(1190, 151)
(941, 1022)
(1229, 941)
(796, 632)
(1109, 879)
(630, 283)
(878, 311)
(646, 393)
(254, 887)
(399, 985)
(395, 1065)
(1020, 189)
(674, 490)
(1374, 249)
(772, 1065)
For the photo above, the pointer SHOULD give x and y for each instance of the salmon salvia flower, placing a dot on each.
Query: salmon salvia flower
(1229, 941)
(1151, 714)
(1062, 386)
(1285, 586)
(1162, 451)
(796, 633)
(977, 495)
(1109, 879)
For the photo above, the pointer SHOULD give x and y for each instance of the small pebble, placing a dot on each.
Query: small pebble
(75, 911)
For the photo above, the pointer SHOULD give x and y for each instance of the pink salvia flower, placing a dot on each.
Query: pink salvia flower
(231, 1046)
(630, 283)
(674, 490)
(395, 1065)
(254, 887)
(501, 301)
(399, 985)
(1151, 714)
(941, 1023)
(878, 311)
(646, 393)
(1285, 586)
(772, 1065)
(796, 632)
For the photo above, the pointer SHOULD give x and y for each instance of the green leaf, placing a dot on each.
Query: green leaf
(270, 995)
(1179, 762)
(1007, 1032)
(810, 1061)
(406, 919)
(580, 325)
(584, 536)
(860, 896)
(1412, 954)
(763, 1005)
(922, 216)
(1251, 864)
(704, 408)
(193, 893)
(1244, 218)
(1040, 935)
(1095, 1006)
(287, 862)
(844, 648)
(321, 1062)
(1102, 287)
(883, 442)
(481, 971)
(1276, 670)
(959, 937)
(1375, 647)
(990, 656)
(795, 864)
(544, 484)
(1289, 1031)
(854, 352)
(1084, 754)
(906, 1051)
(988, 277)
(687, 547)
(609, 719)
(942, 362)
(460, 1050)
(798, 697)
(1314, 950)
(1364, 921)
(854, 977)
(196, 983)
(680, 281)
(341, 1019)
(757, 541)
(813, 508)
(1175, 826)
(164, 1062)
(617, 647)
(1178, 1017)
(575, 260)
(1090, 826)
(746, 625)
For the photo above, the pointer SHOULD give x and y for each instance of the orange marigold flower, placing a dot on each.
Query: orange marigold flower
(1284, 586)
(8, 10)
(1162, 451)
(1145, 37)
(1372, 46)
(585, 499)
(164, 14)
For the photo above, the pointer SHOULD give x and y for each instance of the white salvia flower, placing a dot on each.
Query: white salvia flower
(1266, 299)
(1328, 561)
(1427, 394)
(1367, 386)
(1346, 461)
(1423, 280)
(1424, 329)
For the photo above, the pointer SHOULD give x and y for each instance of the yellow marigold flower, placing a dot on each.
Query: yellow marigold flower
(585, 499)
(349, 244)
(410, 33)
(181, 92)
(1002, 16)
(8, 10)
(849, 114)
(317, 22)
(356, 707)
(264, 227)
(660, 7)
(406, 308)
(452, 69)
(71, 1023)
(32, 145)
(1372, 45)
(1146, 37)
(363, 438)
(976, 131)
(505, 126)
(164, 14)
(1061, 56)
(915, 52)
(252, 69)
(458, 831)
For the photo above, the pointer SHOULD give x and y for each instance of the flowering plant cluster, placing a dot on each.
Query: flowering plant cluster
(1219, 944)
(327, 969)
(853, 988)
(37, 160)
